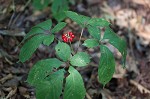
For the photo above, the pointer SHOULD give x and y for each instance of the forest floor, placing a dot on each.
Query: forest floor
(130, 19)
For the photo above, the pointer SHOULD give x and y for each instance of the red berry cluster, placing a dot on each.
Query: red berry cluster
(68, 37)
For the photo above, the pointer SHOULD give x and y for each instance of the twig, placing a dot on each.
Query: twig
(140, 87)
(12, 33)
(118, 76)
(11, 21)
(11, 18)
(9, 76)
(88, 96)
(80, 39)
(71, 48)
(11, 93)
(28, 2)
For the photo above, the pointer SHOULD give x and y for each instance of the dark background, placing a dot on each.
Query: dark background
(130, 19)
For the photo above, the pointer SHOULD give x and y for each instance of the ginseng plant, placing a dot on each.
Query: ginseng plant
(51, 79)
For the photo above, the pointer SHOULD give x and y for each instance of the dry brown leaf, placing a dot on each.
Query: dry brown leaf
(9, 76)
(140, 87)
(11, 93)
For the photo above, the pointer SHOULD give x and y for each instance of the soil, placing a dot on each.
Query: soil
(130, 19)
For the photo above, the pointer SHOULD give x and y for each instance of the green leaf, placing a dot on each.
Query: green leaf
(48, 40)
(58, 8)
(46, 25)
(80, 19)
(30, 47)
(94, 31)
(84, 19)
(98, 22)
(40, 28)
(72, 2)
(91, 43)
(60, 16)
(80, 59)
(63, 51)
(51, 88)
(106, 65)
(58, 27)
(117, 42)
(40, 4)
(74, 87)
(41, 70)
(33, 32)
(74, 16)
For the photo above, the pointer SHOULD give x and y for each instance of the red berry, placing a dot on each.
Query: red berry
(70, 33)
(68, 37)
(72, 36)
(65, 40)
(63, 36)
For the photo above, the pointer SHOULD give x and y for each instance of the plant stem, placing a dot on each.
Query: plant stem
(71, 48)
(80, 39)
(28, 2)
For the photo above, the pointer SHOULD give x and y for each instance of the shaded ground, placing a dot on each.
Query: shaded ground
(130, 19)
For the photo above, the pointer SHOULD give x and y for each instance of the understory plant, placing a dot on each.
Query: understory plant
(57, 7)
(53, 80)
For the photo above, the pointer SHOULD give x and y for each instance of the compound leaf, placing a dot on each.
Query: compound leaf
(58, 27)
(40, 28)
(58, 8)
(60, 16)
(80, 59)
(41, 70)
(40, 4)
(79, 19)
(63, 51)
(48, 40)
(106, 65)
(74, 87)
(46, 25)
(98, 22)
(51, 87)
(94, 31)
(74, 16)
(117, 42)
(91, 43)
(33, 32)
(30, 47)
(84, 19)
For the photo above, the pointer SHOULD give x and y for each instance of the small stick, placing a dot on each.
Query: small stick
(11, 93)
(9, 76)
(80, 39)
(88, 96)
(140, 87)
(71, 47)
